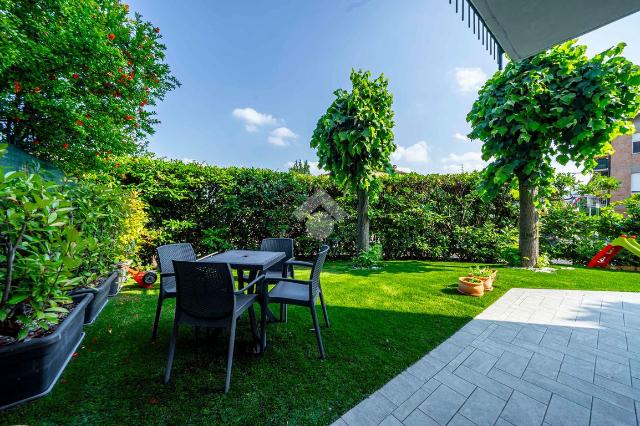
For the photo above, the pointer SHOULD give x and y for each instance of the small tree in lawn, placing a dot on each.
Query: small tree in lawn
(354, 140)
(558, 105)
(77, 79)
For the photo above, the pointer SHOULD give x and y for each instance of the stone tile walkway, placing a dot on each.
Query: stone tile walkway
(553, 357)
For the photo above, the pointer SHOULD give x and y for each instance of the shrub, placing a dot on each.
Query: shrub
(371, 258)
(56, 237)
(416, 216)
(40, 253)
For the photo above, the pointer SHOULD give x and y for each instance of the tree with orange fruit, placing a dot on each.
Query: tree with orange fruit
(79, 79)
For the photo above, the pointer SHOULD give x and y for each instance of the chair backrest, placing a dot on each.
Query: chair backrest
(278, 244)
(205, 290)
(318, 263)
(170, 252)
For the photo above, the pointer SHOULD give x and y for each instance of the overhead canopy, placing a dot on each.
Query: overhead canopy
(526, 27)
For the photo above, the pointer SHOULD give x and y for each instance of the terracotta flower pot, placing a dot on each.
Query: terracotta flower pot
(471, 286)
(487, 280)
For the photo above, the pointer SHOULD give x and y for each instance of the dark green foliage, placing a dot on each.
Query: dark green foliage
(79, 79)
(354, 138)
(54, 237)
(420, 217)
(370, 259)
(559, 104)
(300, 166)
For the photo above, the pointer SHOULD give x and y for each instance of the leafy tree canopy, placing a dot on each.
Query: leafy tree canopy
(558, 105)
(301, 167)
(354, 138)
(79, 79)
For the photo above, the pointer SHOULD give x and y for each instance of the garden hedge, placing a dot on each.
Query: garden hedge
(436, 216)
(216, 208)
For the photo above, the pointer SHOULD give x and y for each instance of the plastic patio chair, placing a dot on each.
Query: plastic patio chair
(206, 297)
(304, 292)
(282, 269)
(166, 255)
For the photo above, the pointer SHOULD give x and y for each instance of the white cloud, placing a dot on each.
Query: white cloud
(469, 79)
(460, 137)
(253, 119)
(467, 161)
(313, 167)
(416, 153)
(282, 136)
(404, 169)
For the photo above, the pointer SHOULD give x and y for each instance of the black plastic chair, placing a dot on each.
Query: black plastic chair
(206, 297)
(304, 293)
(166, 255)
(282, 269)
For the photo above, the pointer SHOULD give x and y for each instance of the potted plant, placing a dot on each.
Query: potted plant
(40, 324)
(487, 275)
(471, 286)
(100, 212)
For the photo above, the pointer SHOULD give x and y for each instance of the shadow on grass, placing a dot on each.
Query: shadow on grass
(116, 377)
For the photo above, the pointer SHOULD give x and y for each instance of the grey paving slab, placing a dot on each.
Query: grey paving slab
(534, 391)
(456, 383)
(460, 420)
(614, 371)
(482, 408)
(418, 418)
(401, 387)
(442, 404)
(544, 365)
(522, 410)
(407, 407)
(605, 414)
(371, 411)
(480, 361)
(550, 357)
(390, 420)
(562, 412)
(578, 367)
(512, 363)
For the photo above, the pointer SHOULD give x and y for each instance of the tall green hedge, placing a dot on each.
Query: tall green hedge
(416, 216)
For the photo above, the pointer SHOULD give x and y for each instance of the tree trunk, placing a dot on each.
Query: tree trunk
(362, 242)
(528, 225)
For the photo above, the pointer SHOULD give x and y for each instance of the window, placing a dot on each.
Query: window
(636, 143)
(635, 183)
(603, 164)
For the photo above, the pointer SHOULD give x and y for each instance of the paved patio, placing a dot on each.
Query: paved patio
(556, 357)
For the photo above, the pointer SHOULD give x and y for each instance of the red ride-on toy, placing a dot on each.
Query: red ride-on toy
(144, 279)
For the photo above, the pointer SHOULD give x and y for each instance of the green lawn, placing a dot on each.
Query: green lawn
(382, 321)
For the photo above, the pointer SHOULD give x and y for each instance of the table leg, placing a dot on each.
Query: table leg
(240, 279)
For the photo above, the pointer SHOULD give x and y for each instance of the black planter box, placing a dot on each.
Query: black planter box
(30, 369)
(99, 300)
(116, 285)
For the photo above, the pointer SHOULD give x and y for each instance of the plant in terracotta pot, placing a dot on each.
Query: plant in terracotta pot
(471, 286)
(486, 275)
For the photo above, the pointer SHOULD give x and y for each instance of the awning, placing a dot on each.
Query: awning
(523, 28)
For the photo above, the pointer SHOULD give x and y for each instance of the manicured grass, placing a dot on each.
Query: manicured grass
(381, 322)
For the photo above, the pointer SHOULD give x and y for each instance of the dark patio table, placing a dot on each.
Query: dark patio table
(253, 261)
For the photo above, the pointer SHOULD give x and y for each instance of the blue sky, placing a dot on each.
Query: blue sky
(257, 75)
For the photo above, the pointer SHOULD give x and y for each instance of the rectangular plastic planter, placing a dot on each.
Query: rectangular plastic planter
(30, 369)
(116, 285)
(99, 300)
